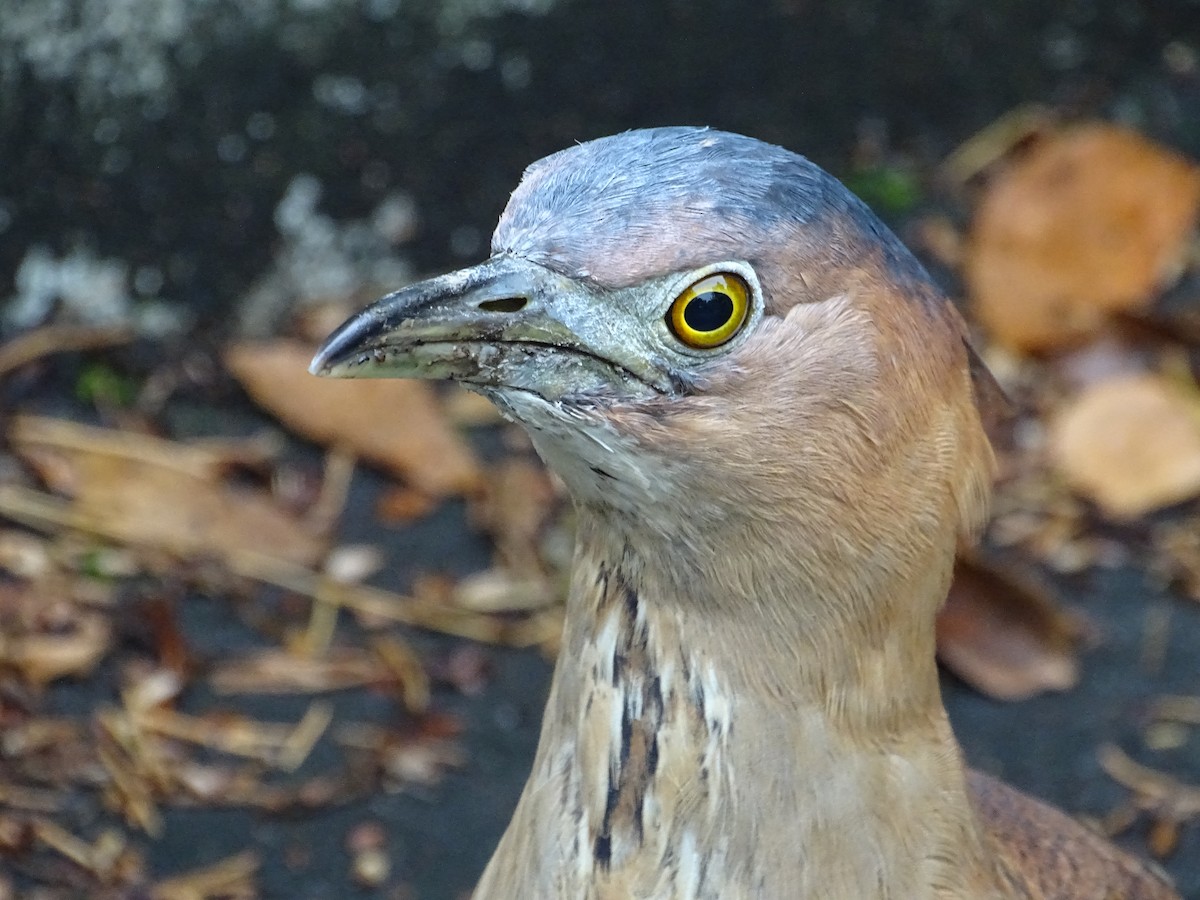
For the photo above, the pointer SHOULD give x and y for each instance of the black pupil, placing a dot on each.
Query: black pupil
(708, 311)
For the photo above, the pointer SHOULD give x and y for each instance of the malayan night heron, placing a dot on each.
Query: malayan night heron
(767, 416)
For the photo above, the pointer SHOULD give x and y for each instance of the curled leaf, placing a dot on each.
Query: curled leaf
(1005, 635)
(1091, 221)
(1131, 444)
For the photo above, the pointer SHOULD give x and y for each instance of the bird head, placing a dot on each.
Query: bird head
(706, 335)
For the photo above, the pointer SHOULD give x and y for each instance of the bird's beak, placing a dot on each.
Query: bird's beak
(505, 323)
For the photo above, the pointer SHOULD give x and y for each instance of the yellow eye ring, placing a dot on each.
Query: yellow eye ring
(710, 311)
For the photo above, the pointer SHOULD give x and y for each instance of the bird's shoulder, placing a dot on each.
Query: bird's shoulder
(1044, 854)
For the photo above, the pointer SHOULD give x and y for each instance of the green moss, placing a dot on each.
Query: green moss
(887, 189)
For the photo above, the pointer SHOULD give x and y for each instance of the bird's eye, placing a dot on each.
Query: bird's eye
(711, 311)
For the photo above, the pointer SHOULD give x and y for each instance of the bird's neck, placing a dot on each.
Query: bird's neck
(697, 745)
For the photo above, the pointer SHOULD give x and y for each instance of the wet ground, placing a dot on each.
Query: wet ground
(146, 146)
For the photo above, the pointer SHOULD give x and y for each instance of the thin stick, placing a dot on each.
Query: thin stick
(50, 339)
(46, 512)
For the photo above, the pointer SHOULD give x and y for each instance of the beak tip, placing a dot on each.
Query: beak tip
(351, 340)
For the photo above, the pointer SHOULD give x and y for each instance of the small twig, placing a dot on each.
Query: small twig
(410, 674)
(985, 148)
(1177, 708)
(50, 339)
(133, 775)
(1154, 791)
(230, 878)
(280, 672)
(15, 796)
(299, 744)
(49, 513)
(283, 746)
(322, 622)
(198, 459)
(100, 859)
(64, 843)
(335, 488)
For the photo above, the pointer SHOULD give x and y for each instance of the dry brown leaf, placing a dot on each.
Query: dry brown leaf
(1093, 220)
(137, 490)
(516, 509)
(1005, 636)
(45, 636)
(204, 458)
(395, 423)
(1130, 444)
(44, 657)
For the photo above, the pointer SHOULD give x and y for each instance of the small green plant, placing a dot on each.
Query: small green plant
(102, 385)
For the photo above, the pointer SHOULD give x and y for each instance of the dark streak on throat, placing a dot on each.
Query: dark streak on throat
(638, 687)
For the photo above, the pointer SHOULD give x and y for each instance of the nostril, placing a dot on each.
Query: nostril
(504, 304)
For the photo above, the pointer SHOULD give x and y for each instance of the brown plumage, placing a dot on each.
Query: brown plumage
(746, 704)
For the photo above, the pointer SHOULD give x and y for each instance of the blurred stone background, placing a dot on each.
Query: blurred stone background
(201, 168)
(194, 158)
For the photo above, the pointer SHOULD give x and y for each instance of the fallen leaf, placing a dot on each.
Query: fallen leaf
(149, 492)
(45, 636)
(1093, 220)
(1130, 444)
(517, 508)
(394, 423)
(45, 657)
(1005, 635)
